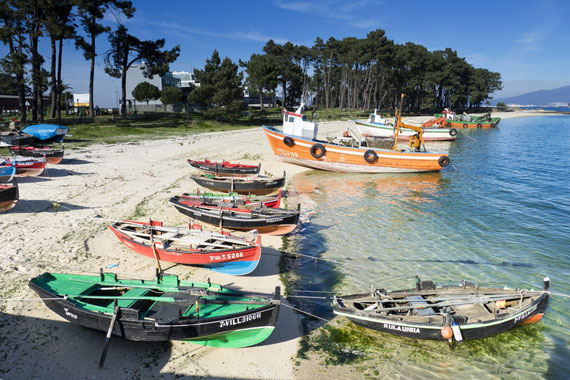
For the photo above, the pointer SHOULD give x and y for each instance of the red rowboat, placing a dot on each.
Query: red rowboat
(220, 252)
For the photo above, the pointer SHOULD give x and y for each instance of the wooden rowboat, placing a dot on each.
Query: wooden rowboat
(26, 166)
(52, 156)
(259, 185)
(161, 309)
(9, 195)
(451, 120)
(452, 312)
(271, 221)
(220, 252)
(250, 200)
(225, 168)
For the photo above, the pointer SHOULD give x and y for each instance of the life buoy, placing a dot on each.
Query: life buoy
(318, 150)
(464, 125)
(288, 141)
(479, 126)
(443, 161)
(453, 132)
(370, 156)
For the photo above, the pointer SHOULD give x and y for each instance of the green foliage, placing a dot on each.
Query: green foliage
(501, 104)
(220, 85)
(145, 92)
(171, 95)
(127, 49)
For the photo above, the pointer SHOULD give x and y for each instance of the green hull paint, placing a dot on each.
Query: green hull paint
(235, 339)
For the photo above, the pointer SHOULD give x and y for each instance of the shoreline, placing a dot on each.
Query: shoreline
(59, 225)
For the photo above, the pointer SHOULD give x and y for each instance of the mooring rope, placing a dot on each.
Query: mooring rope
(305, 312)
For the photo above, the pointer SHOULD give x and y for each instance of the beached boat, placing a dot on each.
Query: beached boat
(270, 221)
(46, 132)
(220, 252)
(225, 168)
(297, 144)
(248, 200)
(7, 170)
(468, 121)
(259, 185)
(13, 138)
(52, 156)
(9, 195)
(451, 312)
(377, 126)
(161, 309)
(25, 166)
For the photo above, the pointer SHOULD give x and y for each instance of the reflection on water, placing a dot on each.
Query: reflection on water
(498, 217)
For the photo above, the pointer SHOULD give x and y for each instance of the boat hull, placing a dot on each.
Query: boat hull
(52, 156)
(225, 168)
(234, 261)
(231, 330)
(351, 159)
(9, 195)
(430, 134)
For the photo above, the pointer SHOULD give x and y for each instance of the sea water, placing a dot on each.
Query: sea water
(499, 215)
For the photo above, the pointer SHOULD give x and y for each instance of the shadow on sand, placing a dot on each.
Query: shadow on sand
(33, 206)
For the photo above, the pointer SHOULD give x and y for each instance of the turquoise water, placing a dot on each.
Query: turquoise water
(499, 216)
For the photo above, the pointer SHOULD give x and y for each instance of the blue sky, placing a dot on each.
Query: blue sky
(528, 42)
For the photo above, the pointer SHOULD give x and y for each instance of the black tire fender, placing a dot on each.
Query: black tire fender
(479, 126)
(448, 124)
(288, 141)
(464, 125)
(370, 156)
(443, 161)
(318, 150)
(453, 132)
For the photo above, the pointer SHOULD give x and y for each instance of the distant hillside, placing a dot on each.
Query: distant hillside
(558, 96)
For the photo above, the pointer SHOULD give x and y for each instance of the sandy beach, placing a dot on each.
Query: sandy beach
(60, 225)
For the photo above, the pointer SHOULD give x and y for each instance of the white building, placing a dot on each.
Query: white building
(186, 79)
(135, 76)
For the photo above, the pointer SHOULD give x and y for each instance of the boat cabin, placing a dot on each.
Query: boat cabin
(296, 124)
(375, 118)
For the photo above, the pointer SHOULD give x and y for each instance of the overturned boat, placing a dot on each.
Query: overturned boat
(161, 309)
(453, 312)
(220, 252)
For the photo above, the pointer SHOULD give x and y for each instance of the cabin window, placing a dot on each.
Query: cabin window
(291, 120)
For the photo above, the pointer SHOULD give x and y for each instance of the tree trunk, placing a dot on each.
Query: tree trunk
(59, 83)
(92, 71)
(261, 99)
(53, 78)
(124, 92)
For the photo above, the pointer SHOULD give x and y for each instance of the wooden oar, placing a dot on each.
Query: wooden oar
(154, 250)
(108, 337)
(482, 300)
(459, 298)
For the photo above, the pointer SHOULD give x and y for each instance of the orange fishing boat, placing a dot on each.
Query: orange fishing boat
(298, 144)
